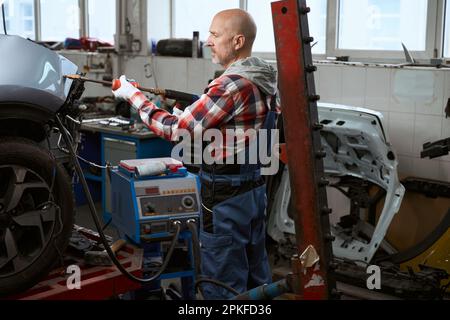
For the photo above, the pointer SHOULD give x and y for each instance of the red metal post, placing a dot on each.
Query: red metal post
(305, 156)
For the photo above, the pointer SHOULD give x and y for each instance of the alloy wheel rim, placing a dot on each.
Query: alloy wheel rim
(27, 218)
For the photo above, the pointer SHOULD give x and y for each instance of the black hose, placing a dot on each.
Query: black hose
(119, 266)
(107, 224)
(4, 18)
(191, 224)
(217, 283)
(180, 96)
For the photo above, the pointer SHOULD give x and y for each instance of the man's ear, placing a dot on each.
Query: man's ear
(239, 42)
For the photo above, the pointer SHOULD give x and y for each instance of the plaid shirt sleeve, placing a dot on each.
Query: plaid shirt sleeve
(212, 110)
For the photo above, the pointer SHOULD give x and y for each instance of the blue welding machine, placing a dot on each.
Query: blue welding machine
(145, 202)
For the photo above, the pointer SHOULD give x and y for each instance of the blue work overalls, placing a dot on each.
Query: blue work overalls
(234, 253)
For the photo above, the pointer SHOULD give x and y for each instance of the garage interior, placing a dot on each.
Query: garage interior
(358, 204)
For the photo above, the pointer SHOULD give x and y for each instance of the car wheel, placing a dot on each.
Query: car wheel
(36, 214)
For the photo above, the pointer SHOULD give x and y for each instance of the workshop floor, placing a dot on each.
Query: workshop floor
(83, 218)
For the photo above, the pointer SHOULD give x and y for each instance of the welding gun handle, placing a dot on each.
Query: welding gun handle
(170, 94)
(181, 96)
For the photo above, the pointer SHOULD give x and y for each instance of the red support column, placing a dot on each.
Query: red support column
(302, 132)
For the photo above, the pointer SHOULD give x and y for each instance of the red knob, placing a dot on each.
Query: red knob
(116, 84)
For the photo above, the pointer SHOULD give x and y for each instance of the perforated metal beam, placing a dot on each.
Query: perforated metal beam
(304, 151)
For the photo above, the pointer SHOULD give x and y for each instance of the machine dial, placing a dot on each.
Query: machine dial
(188, 202)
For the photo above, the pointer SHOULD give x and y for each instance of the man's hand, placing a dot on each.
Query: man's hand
(126, 89)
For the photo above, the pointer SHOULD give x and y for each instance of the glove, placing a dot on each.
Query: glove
(176, 111)
(126, 89)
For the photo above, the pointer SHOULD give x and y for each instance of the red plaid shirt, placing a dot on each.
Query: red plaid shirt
(230, 102)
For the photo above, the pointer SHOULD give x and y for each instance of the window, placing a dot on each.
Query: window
(28, 26)
(382, 24)
(158, 19)
(196, 15)
(27, 12)
(261, 11)
(447, 30)
(317, 20)
(60, 20)
(19, 16)
(102, 19)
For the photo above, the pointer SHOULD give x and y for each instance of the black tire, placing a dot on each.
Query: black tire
(34, 232)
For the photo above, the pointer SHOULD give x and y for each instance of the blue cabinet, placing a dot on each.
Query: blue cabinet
(89, 149)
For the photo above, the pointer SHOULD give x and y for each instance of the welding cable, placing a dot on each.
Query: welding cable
(92, 164)
(52, 203)
(79, 170)
(192, 226)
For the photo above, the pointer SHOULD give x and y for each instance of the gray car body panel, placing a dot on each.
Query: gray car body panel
(356, 145)
(31, 74)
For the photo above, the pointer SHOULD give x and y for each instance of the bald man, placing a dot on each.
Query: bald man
(243, 99)
(232, 34)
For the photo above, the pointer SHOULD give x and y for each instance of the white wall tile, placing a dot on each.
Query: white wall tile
(403, 83)
(96, 90)
(446, 87)
(196, 74)
(317, 79)
(434, 105)
(385, 122)
(401, 132)
(139, 69)
(444, 171)
(171, 73)
(353, 86)
(405, 166)
(378, 88)
(426, 168)
(445, 134)
(427, 129)
(330, 85)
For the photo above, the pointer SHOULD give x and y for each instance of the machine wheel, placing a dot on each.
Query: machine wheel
(36, 214)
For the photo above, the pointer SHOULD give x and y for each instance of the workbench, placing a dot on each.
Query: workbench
(103, 144)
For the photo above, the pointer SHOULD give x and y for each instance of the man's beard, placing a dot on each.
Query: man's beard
(215, 59)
